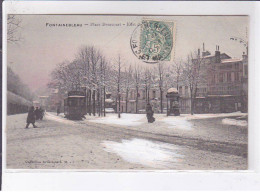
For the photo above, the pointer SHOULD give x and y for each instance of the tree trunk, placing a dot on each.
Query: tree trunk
(89, 103)
(161, 98)
(104, 101)
(119, 106)
(126, 101)
(94, 103)
(116, 105)
(98, 99)
(146, 95)
(191, 106)
(136, 104)
(87, 93)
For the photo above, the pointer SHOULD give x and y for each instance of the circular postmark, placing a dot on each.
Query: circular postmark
(152, 41)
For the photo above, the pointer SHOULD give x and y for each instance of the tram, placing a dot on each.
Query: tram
(75, 105)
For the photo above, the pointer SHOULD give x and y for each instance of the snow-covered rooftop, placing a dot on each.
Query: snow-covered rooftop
(172, 90)
(230, 60)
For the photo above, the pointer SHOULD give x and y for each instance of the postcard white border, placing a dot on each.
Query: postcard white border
(173, 180)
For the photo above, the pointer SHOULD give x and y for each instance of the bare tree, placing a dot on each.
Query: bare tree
(177, 70)
(13, 25)
(85, 72)
(119, 85)
(161, 77)
(128, 82)
(103, 78)
(193, 75)
(137, 82)
(148, 80)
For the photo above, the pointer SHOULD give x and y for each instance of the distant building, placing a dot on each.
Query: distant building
(44, 102)
(55, 100)
(154, 100)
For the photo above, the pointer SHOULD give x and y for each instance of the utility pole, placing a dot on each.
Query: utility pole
(104, 74)
(118, 87)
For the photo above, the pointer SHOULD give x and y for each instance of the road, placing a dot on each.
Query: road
(58, 143)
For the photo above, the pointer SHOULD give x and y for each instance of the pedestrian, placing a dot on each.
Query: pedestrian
(58, 111)
(149, 113)
(31, 118)
(37, 113)
(41, 113)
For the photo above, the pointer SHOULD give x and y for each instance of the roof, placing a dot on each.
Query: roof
(230, 60)
(220, 95)
(210, 56)
(109, 100)
(43, 96)
(172, 90)
(76, 96)
(16, 99)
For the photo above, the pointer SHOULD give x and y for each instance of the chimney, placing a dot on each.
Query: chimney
(244, 56)
(205, 53)
(217, 55)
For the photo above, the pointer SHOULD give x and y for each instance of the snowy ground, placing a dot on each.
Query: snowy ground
(186, 142)
(184, 125)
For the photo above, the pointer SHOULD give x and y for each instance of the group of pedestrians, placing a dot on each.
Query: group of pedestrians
(38, 113)
(33, 115)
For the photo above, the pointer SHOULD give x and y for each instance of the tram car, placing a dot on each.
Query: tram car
(173, 105)
(75, 105)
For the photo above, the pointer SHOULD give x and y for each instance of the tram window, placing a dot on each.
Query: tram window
(82, 101)
(72, 102)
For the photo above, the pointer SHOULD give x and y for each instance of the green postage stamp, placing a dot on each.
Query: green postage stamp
(153, 41)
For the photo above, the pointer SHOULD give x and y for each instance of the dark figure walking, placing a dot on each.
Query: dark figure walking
(58, 110)
(37, 113)
(31, 118)
(149, 113)
(41, 113)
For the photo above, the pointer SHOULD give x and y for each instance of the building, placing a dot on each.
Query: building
(44, 102)
(154, 99)
(55, 100)
(225, 86)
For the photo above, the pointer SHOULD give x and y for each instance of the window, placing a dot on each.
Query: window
(236, 65)
(228, 77)
(213, 79)
(246, 70)
(237, 76)
(221, 78)
(186, 90)
(180, 90)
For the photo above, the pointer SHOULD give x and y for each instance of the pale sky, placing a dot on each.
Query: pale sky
(42, 47)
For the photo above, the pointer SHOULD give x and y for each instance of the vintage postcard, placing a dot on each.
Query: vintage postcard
(127, 92)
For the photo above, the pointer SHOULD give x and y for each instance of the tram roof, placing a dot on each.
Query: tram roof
(76, 96)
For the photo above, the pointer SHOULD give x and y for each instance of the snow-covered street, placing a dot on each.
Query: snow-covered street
(206, 141)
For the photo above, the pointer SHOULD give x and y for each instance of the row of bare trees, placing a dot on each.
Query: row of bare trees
(93, 73)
